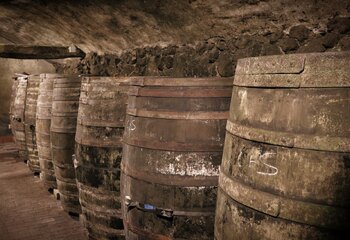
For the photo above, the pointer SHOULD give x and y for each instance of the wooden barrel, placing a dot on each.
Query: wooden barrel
(102, 110)
(65, 103)
(29, 122)
(18, 117)
(173, 139)
(285, 172)
(12, 104)
(43, 123)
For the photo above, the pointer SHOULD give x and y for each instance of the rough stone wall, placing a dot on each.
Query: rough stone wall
(106, 26)
(216, 56)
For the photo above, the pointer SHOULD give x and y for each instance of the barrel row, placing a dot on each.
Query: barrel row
(47, 105)
(260, 156)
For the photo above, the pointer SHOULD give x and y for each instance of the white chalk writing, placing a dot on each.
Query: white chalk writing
(132, 125)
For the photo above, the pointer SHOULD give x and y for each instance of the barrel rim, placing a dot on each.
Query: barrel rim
(51, 75)
(66, 79)
(86, 78)
(162, 81)
(280, 206)
(35, 76)
(301, 70)
(289, 139)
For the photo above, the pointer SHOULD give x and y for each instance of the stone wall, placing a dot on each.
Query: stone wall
(106, 26)
(216, 56)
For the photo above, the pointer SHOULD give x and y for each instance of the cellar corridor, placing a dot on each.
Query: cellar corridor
(27, 211)
(175, 120)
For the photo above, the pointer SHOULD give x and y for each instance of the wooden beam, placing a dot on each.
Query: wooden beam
(39, 52)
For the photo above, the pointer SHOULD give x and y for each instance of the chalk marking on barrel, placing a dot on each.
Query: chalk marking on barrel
(178, 167)
(268, 165)
(132, 126)
(239, 158)
(269, 174)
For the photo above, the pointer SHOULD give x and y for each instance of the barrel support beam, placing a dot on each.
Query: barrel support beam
(39, 52)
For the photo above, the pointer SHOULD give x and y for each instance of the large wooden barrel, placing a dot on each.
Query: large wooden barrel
(12, 104)
(285, 171)
(43, 123)
(65, 103)
(102, 110)
(174, 138)
(18, 117)
(29, 122)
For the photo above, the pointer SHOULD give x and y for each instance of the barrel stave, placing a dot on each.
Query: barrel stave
(43, 123)
(65, 103)
(18, 117)
(30, 122)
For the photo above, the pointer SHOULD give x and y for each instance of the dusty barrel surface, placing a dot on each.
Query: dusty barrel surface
(43, 123)
(29, 122)
(285, 170)
(65, 103)
(18, 117)
(102, 110)
(12, 104)
(173, 139)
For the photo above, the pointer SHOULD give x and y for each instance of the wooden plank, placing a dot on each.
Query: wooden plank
(39, 52)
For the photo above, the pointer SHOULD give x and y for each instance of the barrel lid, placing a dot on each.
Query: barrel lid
(322, 70)
(181, 82)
